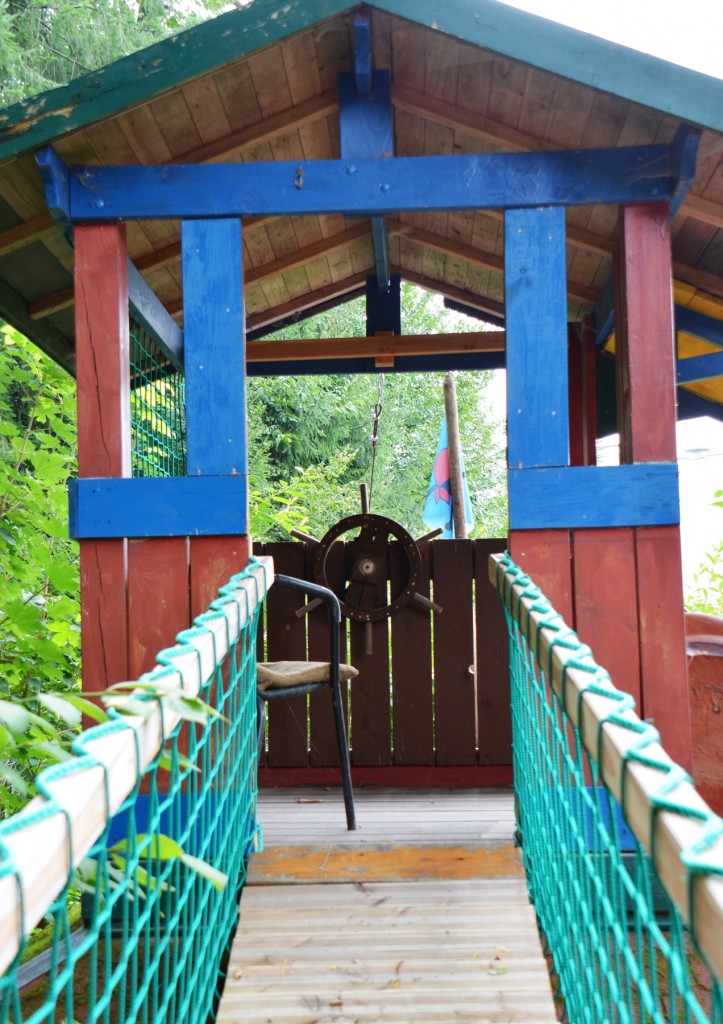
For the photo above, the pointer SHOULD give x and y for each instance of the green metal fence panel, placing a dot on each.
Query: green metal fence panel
(140, 930)
(618, 944)
(158, 409)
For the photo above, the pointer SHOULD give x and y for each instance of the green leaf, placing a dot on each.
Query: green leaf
(15, 717)
(64, 709)
(85, 706)
(63, 576)
(205, 870)
(25, 616)
(166, 761)
(14, 779)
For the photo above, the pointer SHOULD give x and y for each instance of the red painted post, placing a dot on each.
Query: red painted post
(583, 417)
(546, 555)
(645, 359)
(103, 384)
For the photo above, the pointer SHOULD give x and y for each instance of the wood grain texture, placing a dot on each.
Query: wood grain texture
(413, 951)
(103, 616)
(583, 417)
(159, 604)
(470, 182)
(214, 348)
(645, 345)
(606, 611)
(454, 697)
(662, 638)
(470, 776)
(371, 730)
(286, 641)
(644, 494)
(323, 746)
(545, 555)
(412, 689)
(102, 351)
(382, 863)
(494, 720)
(536, 320)
(103, 388)
(213, 561)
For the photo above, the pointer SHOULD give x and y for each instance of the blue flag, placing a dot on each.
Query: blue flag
(438, 505)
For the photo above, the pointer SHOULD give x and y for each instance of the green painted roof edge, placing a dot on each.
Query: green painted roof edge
(39, 120)
(680, 92)
(589, 60)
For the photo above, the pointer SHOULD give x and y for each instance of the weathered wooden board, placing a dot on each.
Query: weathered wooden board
(422, 951)
(381, 863)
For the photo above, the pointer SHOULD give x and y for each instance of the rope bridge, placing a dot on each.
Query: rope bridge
(624, 860)
(144, 835)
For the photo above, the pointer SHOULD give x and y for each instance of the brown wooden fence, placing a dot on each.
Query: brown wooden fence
(418, 711)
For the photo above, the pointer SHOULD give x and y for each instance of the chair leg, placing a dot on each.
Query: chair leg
(343, 755)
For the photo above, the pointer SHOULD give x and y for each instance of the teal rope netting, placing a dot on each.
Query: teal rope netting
(155, 929)
(620, 949)
(158, 409)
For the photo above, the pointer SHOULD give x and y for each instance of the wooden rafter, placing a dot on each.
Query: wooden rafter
(511, 139)
(477, 257)
(264, 131)
(375, 346)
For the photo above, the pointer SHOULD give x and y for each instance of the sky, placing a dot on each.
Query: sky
(689, 33)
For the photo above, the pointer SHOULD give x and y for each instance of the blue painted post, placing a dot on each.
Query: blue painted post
(536, 317)
(214, 358)
(214, 347)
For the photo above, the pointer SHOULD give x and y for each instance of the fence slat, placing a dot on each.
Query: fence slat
(454, 701)
(324, 748)
(494, 729)
(413, 710)
(371, 738)
(286, 641)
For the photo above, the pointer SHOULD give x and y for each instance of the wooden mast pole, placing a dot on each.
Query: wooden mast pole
(455, 458)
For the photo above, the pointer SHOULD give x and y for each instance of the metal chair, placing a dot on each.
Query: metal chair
(332, 682)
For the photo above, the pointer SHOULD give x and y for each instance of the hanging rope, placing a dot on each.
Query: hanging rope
(374, 436)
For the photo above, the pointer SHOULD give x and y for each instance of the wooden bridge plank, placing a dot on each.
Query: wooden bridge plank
(454, 698)
(423, 951)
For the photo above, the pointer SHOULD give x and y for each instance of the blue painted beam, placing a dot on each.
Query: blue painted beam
(684, 150)
(688, 321)
(153, 317)
(374, 187)
(366, 132)
(575, 497)
(215, 363)
(363, 67)
(55, 177)
(402, 364)
(706, 328)
(536, 324)
(202, 506)
(691, 406)
(696, 368)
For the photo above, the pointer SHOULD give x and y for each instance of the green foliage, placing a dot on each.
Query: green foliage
(310, 445)
(42, 46)
(706, 593)
(39, 614)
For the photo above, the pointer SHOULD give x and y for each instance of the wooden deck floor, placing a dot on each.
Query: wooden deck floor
(420, 915)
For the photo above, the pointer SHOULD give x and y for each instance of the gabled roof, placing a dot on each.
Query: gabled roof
(260, 83)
